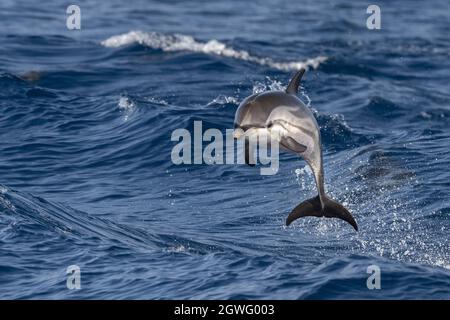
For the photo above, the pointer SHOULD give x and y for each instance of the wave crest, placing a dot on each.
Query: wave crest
(180, 42)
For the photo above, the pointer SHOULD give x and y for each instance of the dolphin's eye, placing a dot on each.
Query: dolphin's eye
(270, 125)
(249, 126)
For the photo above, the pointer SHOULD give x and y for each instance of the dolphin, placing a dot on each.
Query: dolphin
(284, 117)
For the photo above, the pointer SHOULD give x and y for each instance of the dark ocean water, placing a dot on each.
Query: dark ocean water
(87, 179)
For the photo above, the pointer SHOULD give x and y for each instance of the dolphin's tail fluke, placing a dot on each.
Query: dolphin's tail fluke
(313, 207)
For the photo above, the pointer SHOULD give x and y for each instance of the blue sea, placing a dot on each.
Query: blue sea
(86, 176)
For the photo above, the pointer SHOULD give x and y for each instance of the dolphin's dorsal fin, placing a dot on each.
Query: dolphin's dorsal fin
(292, 87)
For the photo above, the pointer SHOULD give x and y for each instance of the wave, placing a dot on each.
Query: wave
(222, 99)
(28, 217)
(180, 42)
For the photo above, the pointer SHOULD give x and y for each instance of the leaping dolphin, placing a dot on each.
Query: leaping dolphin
(284, 117)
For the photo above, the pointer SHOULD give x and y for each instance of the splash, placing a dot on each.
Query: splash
(180, 42)
(127, 105)
(372, 186)
(268, 85)
(305, 179)
(274, 85)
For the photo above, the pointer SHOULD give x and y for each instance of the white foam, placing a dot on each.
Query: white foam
(126, 104)
(223, 99)
(157, 101)
(180, 42)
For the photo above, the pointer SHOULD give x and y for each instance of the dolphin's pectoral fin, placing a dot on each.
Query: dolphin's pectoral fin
(292, 87)
(312, 207)
(292, 144)
(249, 154)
